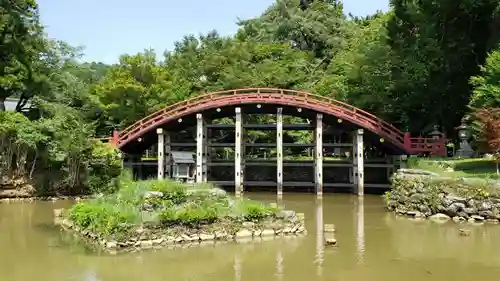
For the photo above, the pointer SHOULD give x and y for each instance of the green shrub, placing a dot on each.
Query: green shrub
(105, 165)
(192, 214)
(251, 210)
(104, 218)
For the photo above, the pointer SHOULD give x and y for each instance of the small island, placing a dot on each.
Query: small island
(157, 213)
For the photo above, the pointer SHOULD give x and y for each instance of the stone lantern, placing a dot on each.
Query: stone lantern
(465, 150)
(436, 134)
(463, 132)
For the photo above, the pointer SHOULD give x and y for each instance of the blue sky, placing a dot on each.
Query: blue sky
(109, 28)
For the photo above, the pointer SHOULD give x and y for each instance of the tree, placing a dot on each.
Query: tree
(488, 131)
(438, 46)
(20, 44)
(132, 89)
(486, 84)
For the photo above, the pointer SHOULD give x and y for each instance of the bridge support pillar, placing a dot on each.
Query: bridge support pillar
(358, 162)
(206, 152)
(279, 151)
(161, 153)
(200, 148)
(318, 155)
(238, 136)
(168, 156)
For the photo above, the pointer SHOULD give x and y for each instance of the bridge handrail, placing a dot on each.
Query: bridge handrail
(308, 98)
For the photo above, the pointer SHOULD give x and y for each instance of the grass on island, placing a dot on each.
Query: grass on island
(155, 204)
(461, 168)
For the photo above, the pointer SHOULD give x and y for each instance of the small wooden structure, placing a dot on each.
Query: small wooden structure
(183, 165)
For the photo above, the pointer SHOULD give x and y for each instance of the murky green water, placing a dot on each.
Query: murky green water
(373, 245)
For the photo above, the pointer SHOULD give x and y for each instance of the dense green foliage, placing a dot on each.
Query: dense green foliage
(179, 205)
(56, 152)
(422, 63)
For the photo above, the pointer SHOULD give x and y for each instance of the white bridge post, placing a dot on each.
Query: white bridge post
(238, 132)
(205, 154)
(358, 162)
(318, 155)
(168, 156)
(200, 124)
(161, 153)
(279, 151)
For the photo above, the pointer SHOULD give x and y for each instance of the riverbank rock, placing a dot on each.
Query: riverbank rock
(440, 217)
(417, 193)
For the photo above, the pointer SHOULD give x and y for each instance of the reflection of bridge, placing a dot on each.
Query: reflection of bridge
(339, 117)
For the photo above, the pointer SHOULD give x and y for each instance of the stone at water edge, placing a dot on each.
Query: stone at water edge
(458, 219)
(477, 218)
(439, 217)
(206, 237)
(244, 233)
(415, 214)
(146, 244)
(111, 245)
(267, 232)
(158, 241)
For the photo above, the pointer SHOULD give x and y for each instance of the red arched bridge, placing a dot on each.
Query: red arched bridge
(297, 103)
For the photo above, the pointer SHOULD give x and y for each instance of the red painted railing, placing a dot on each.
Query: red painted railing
(264, 95)
(432, 146)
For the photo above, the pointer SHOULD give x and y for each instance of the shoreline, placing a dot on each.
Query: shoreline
(31, 199)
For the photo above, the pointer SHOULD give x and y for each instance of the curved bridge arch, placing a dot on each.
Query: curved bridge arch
(274, 96)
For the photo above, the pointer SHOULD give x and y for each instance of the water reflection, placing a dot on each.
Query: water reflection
(360, 228)
(373, 245)
(318, 260)
(279, 265)
(237, 268)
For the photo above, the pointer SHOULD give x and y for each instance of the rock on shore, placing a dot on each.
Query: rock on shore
(422, 194)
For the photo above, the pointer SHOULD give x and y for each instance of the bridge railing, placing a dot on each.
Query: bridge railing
(346, 110)
(421, 145)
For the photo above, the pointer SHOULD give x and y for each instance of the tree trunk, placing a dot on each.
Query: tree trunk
(498, 171)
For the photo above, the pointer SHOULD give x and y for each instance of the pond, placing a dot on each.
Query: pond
(373, 245)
